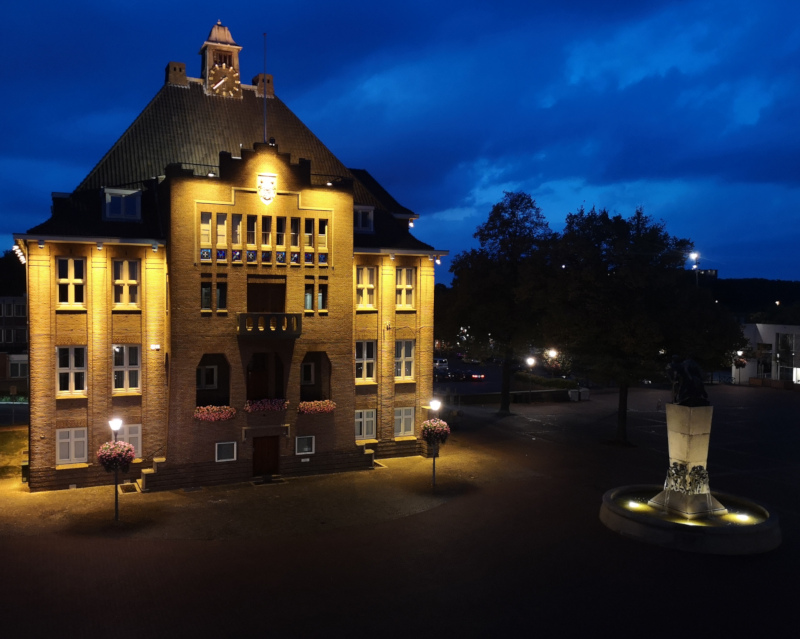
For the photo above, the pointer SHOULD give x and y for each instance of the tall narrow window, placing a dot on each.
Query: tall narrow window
(404, 359)
(205, 296)
(404, 287)
(322, 238)
(132, 434)
(295, 239)
(365, 286)
(71, 373)
(222, 232)
(308, 298)
(126, 367)
(266, 230)
(365, 361)
(280, 231)
(236, 229)
(126, 283)
(222, 296)
(205, 228)
(365, 424)
(322, 297)
(308, 233)
(403, 422)
(71, 280)
(252, 222)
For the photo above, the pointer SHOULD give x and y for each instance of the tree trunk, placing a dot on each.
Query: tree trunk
(505, 385)
(622, 414)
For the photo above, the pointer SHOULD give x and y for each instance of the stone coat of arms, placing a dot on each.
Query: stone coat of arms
(267, 187)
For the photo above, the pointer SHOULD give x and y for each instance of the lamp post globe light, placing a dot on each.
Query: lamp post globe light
(435, 405)
(530, 362)
(739, 353)
(115, 425)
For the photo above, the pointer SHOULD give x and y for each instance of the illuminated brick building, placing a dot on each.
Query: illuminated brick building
(199, 266)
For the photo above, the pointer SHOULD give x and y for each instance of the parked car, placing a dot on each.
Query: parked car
(467, 376)
(439, 363)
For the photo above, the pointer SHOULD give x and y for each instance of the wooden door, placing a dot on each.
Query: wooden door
(266, 457)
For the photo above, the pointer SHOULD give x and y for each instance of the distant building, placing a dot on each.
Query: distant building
(207, 265)
(773, 353)
(13, 345)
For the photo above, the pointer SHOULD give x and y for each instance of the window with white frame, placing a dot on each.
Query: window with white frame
(365, 424)
(205, 229)
(126, 283)
(127, 366)
(226, 451)
(304, 445)
(252, 222)
(206, 377)
(404, 421)
(322, 297)
(222, 229)
(404, 287)
(266, 230)
(71, 446)
(365, 361)
(236, 229)
(131, 434)
(71, 371)
(280, 231)
(365, 286)
(362, 219)
(404, 359)
(123, 205)
(308, 233)
(295, 232)
(322, 235)
(71, 279)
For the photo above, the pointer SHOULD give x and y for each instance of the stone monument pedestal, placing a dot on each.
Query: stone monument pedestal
(686, 491)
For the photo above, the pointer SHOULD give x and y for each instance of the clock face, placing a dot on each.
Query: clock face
(224, 80)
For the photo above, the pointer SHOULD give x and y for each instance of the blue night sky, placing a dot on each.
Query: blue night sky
(689, 109)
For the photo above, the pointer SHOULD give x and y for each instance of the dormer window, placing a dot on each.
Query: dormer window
(362, 219)
(122, 205)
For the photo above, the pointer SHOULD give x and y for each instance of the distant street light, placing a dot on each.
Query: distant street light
(552, 353)
(530, 362)
(740, 353)
(116, 424)
(695, 256)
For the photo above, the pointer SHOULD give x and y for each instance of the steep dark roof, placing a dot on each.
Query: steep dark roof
(186, 126)
(183, 125)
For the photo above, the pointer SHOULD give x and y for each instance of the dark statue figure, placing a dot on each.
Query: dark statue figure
(687, 382)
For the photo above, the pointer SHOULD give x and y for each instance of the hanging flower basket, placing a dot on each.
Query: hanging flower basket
(116, 455)
(214, 413)
(255, 406)
(435, 431)
(316, 408)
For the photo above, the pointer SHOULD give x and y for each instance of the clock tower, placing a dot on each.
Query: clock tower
(221, 63)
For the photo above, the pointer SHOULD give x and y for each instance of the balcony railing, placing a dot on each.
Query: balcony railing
(269, 325)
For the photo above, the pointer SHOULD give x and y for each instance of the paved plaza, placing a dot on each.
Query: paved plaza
(509, 542)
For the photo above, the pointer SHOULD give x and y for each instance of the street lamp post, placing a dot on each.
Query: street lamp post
(116, 424)
(530, 362)
(695, 256)
(740, 353)
(435, 405)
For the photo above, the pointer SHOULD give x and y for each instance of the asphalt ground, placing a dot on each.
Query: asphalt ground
(508, 543)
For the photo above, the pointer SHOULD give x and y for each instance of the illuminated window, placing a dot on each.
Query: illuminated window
(266, 231)
(308, 233)
(308, 297)
(304, 445)
(362, 219)
(403, 422)
(365, 286)
(280, 231)
(404, 287)
(205, 229)
(71, 446)
(126, 283)
(127, 363)
(236, 229)
(222, 229)
(71, 279)
(71, 371)
(365, 361)
(131, 434)
(404, 359)
(252, 222)
(365, 424)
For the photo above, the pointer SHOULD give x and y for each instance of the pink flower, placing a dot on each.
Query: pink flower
(315, 408)
(214, 413)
